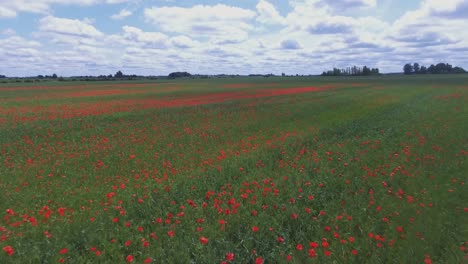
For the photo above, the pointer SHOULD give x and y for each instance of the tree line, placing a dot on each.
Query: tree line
(440, 68)
(352, 71)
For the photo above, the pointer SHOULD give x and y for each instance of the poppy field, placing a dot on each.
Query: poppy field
(235, 170)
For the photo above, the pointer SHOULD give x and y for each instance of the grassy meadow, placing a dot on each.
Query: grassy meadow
(235, 170)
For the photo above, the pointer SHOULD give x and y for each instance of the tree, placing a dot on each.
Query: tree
(366, 71)
(416, 67)
(441, 68)
(174, 75)
(54, 76)
(458, 70)
(118, 74)
(423, 70)
(408, 68)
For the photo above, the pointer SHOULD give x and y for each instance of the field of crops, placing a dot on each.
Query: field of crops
(242, 170)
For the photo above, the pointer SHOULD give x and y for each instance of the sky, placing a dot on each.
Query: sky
(156, 37)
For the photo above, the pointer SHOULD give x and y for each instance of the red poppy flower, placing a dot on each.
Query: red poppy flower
(9, 250)
(230, 256)
(129, 258)
(203, 240)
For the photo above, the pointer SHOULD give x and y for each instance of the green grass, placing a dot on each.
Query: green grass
(364, 159)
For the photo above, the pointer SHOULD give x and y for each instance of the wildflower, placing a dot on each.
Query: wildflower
(312, 253)
(203, 240)
(230, 256)
(9, 250)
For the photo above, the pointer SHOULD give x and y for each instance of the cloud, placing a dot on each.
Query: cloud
(433, 24)
(335, 5)
(267, 14)
(65, 26)
(456, 9)
(290, 44)
(11, 8)
(122, 14)
(183, 42)
(329, 28)
(149, 39)
(17, 54)
(218, 22)
(6, 13)
(8, 31)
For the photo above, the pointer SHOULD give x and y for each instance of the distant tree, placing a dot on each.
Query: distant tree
(423, 70)
(366, 71)
(352, 71)
(441, 68)
(408, 68)
(174, 75)
(336, 72)
(54, 76)
(119, 74)
(458, 70)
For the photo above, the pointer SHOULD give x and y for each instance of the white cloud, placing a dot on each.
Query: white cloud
(183, 42)
(290, 44)
(6, 12)
(267, 14)
(44, 6)
(122, 14)
(336, 5)
(8, 31)
(218, 22)
(65, 26)
(447, 8)
(149, 39)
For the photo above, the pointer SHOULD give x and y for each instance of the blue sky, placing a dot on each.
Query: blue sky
(92, 37)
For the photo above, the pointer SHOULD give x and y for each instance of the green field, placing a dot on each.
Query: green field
(235, 170)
